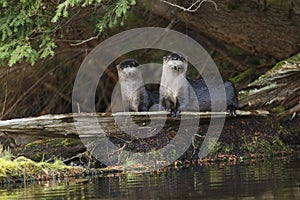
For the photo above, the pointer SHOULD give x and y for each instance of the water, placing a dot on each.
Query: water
(276, 179)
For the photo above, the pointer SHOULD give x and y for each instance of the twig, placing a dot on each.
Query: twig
(76, 156)
(85, 41)
(191, 7)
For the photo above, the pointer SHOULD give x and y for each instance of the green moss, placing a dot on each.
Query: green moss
(25, 169)
(271, 71)
(250, 73)
(70, 142)
(278, 109)
(48, 148)
(293, 60)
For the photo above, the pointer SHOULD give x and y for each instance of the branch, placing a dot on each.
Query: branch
(192, 8)
(85, 41)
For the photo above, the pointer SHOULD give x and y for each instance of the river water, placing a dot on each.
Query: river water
(268, 179)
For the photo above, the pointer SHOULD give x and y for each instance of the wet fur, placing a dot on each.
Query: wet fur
(179, 94)
(135, 96)
(174, 90)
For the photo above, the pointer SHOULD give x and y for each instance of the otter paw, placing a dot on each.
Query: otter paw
(176, 113)
(232, 112)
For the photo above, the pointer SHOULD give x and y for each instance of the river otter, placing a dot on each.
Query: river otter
(135, 96)
(177, 93)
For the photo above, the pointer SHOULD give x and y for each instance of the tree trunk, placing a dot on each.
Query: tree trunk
(269, 33)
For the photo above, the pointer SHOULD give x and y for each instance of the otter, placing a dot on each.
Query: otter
(177, 93)
(135, 96)
(173, 85)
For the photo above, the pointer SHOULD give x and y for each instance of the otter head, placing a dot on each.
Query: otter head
(128, 69)
(176, 62)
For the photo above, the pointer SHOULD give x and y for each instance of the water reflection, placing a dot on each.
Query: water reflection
(278, 179)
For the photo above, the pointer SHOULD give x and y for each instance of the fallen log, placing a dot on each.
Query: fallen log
(55, 136)
(62, 125)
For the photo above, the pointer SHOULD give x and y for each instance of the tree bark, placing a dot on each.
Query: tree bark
(269, 33)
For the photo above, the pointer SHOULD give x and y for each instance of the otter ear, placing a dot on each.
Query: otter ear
(136, 63)
(118, 67)
(183, 57)
(164, 58)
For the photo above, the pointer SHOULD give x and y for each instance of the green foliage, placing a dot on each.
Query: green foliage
(257, 144)
(29, 29)
(264, 145)
(113, 12)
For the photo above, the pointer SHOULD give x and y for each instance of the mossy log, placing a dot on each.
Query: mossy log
(278, 90)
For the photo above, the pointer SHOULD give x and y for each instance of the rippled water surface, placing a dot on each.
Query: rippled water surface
(279, 179)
